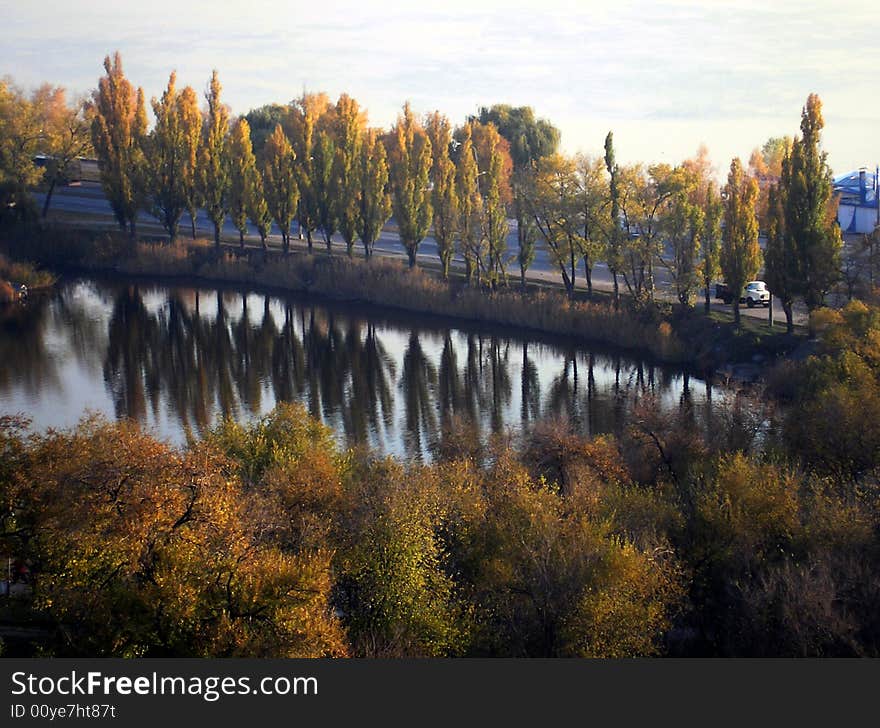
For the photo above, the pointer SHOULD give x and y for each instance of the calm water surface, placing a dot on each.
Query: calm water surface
(180, 357)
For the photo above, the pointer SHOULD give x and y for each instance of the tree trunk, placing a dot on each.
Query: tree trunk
(588, 274)
(241, 239)
(48, 198)
(736, 312)
(522, 278)
(309, 239)
(708, 299)
(411, 254)
(192, 221)
(616, 290)
(216, 236)
(568, 283)
(789, 316)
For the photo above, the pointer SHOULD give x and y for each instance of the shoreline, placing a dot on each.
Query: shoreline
(663, 333)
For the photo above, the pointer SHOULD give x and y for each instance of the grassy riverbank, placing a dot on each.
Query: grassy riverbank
(663, 332)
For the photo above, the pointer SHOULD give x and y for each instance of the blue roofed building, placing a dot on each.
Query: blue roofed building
(858, 211)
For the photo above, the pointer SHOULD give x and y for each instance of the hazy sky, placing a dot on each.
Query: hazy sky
(665, 76)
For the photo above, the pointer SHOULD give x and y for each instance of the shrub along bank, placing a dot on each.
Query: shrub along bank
(663, 334)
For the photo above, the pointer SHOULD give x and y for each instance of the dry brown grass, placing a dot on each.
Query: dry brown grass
(26, 273)
(387, 283)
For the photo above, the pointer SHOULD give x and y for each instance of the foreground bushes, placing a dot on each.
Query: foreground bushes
(267, 540)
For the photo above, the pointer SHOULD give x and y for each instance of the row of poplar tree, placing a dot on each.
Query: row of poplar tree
(320, 164)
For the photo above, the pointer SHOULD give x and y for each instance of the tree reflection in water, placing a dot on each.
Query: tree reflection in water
(179, 358)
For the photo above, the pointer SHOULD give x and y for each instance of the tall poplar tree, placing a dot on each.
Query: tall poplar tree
(444, 193)
(257, 207)
(303, 121)
(374, 201)
(350, 123)
(495, 192)
(740, 253)
(214, 158)
(279, 183)
(615, 234)
(781, 260)
(119, 128)
(710, 241)
(410, 179)
(325, 185)
(242, 170)
(167, 153)
(810, 209)
(191, 125)
(682, 225)
(470, 204)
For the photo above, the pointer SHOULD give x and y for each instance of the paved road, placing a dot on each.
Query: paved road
(88, 199)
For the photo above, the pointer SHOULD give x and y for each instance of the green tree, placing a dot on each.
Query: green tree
(262, 122)
(396, 595)
(119, 128)
(530, 139)
(556, 209)
(781, 260)
(280, 183)
(167, 155)
(444, 193)
(710, 264)
(470, 204)
(615, 233)
(644, 196)
(594, 201)
(495, 183)
(21, 136)
(191, 125)
(257, 207)
(303, 127)
(810, 208)
(350, 125)
(374, 201)
(740, 253)
(682, 226)
(325, 185)
(66, 136)
(242, 174)
(215, 158)
(410, 158)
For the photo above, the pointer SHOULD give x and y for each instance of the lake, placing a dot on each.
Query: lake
(177, 358)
